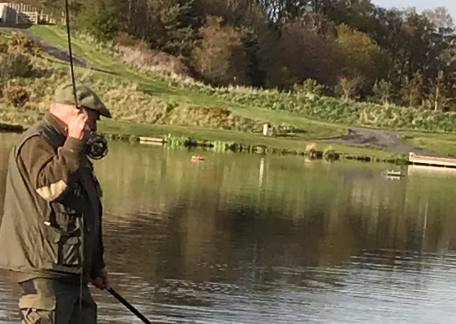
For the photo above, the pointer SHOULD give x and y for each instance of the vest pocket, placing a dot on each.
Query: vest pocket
(64, 218)
(68, 253)
(67, 241)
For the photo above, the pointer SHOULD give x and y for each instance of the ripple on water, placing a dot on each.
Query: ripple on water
(379, 286)
(8, 300)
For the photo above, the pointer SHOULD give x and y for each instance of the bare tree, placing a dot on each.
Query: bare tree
(437, 98)
(412, 89)
(349, 87)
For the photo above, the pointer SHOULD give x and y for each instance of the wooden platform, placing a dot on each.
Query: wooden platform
(431, 160)
(151, 140)
(430, 171)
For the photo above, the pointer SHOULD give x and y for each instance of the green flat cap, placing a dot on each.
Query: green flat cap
(86, 98)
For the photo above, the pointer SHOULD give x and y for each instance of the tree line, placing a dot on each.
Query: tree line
(347, 48)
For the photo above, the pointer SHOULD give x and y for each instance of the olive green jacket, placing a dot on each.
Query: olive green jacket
(52, 213)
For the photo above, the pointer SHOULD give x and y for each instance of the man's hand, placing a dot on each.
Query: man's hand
(102, 281)
(78, 126)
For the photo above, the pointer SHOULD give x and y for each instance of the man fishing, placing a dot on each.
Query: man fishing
(50, 235)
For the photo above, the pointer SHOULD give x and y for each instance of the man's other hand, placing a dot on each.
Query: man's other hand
(102, 281)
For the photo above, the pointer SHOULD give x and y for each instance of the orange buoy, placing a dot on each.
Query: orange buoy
(197, 158)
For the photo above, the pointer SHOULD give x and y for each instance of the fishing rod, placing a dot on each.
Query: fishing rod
(111, 290)
(73, 83)
(128, 305)
(97, 145)
(70, 51)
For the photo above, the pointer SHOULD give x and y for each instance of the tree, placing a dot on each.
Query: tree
(441, 19)
(364, 57)
(168, 25)
(412, 90)
(221, 56)
(283, 11)
(420, 46)
(437, 98)
(359, 14)
(304, 54)
(233, 12)
(100, 18)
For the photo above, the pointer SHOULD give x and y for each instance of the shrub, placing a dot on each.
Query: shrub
(16, 95)
(20, 43)
(124, 39)
(382, 91)
(349, 87)
(309, 88)
(3, 48)
(14, 65)
(153, 60)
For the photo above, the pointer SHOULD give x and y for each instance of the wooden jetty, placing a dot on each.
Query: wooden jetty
(430, 171)
(151, 140)
(431, 160)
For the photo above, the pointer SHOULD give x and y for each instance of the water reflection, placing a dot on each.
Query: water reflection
(250, 239)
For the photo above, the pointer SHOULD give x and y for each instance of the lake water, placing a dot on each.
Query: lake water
(243, 238)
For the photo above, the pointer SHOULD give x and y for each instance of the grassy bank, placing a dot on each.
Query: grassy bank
(440, 142)
(147, 104)
(129, 131)
(325, 109)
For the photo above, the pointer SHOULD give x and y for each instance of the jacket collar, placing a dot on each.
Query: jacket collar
(56, 123)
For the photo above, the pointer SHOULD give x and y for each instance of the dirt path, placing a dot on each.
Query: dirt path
(386, 140)
(62, 54)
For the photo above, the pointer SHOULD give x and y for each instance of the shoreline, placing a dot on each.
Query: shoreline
(314, 151)
(228, 119)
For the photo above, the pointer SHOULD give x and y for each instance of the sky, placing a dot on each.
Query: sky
(419, 4)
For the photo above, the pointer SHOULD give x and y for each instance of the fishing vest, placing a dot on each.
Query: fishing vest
(37, 235)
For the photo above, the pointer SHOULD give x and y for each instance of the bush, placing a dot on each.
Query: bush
(20, 43)
(16, 95)
(3, 48)
(153, 60)
(126, 40)
(14, 65)
(309, 87)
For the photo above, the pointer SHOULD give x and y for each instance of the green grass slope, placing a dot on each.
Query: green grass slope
(147, 104)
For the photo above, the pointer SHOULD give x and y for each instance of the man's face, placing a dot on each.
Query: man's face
(92, 118)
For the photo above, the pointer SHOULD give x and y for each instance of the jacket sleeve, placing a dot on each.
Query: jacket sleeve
(99, 261)
(51, 172)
